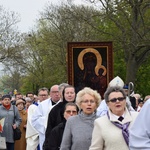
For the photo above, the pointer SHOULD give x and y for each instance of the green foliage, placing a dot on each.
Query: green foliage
(119, 65)
(142, 82)
(10, 82)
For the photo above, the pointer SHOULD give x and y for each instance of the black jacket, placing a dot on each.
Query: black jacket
(55, 137)
(55, 117)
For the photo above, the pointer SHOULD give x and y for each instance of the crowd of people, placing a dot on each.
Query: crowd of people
(61, 119)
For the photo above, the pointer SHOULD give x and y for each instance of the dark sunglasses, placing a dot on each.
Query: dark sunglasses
(113, 100)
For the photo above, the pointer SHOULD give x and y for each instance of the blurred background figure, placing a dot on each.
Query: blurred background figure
(140, 104)
(17, 96)
(36, 99)
(146, 98)
(137, 97)
(28, 102)
(13, 100)
(21, 144)
(30, 95)
(0, 100)
(60, 88)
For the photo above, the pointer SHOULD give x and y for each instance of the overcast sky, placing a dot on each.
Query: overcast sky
(28, 10)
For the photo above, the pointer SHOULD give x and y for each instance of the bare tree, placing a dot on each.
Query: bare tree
(9, 35)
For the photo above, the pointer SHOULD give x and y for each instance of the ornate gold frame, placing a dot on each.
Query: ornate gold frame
(90, 64)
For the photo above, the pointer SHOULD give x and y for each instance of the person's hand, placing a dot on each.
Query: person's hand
(14, 126)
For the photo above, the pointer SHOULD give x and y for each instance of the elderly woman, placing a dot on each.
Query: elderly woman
(111, 131)
(78, 130)
(7, 112)
(21, 144)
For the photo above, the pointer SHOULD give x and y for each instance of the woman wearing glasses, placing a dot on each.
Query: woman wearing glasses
(111, 131)
(55, 137)
(78, 130)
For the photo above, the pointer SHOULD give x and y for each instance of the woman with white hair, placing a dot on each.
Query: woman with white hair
(78, 130)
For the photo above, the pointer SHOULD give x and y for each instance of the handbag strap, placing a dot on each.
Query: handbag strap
(14, 114)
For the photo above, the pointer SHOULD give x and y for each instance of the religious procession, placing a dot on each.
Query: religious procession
(78, 79)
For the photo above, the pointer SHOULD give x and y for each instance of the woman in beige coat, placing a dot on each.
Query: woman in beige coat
(21, 144)
(111, 130)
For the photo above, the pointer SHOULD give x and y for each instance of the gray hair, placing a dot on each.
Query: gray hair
(113, 89)
(62, 85)
(43, 89)
(89, 91)
(28, 99)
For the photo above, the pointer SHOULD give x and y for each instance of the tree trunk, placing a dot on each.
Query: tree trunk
(132, 69)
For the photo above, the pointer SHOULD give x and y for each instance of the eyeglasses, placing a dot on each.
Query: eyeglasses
(88, 101)
(55, 91)
(30, 96)
(71, 111)
(113, 100)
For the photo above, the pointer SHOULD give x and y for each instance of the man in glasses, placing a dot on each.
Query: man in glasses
(39, 118)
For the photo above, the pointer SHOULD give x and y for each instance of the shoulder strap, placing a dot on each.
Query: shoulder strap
(14, 113)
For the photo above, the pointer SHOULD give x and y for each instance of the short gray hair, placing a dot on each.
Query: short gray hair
(113, 89)
(62, 85)
(43, 89)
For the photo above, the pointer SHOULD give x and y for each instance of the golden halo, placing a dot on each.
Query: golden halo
(99, 60)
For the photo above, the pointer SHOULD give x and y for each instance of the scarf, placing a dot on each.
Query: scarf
(124, 128)
(7, 106)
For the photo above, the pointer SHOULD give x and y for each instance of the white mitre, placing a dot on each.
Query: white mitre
(117, 81)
